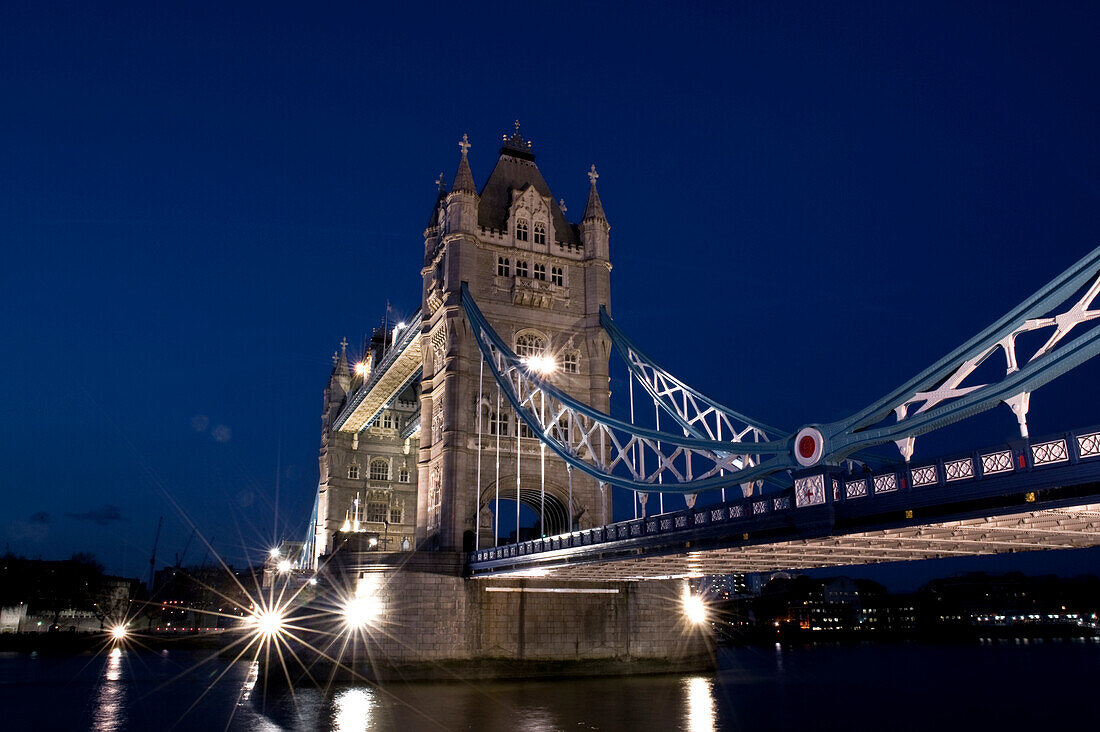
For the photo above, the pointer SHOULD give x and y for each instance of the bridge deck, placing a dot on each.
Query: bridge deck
(1022, 496)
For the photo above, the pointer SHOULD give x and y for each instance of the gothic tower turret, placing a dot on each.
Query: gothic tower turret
(540, 280)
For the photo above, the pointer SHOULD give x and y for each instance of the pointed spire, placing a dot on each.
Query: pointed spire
(594, 209)
(464, 179)
(342, 363)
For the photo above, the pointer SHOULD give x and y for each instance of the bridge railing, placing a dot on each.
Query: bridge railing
(819, 487)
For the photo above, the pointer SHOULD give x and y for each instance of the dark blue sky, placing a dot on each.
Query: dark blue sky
(809, 204)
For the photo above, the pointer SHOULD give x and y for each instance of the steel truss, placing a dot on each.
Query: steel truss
(721, 448)
(610, 450)
(939, 395)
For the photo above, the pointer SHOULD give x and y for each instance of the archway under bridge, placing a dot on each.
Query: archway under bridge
(533, 504)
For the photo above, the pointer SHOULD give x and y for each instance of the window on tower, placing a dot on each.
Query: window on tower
(377, 511)
(557, 277)
(403, 475)
(503, 268)
(521, 230)
(540, 233)
(387, 420)
(395, 515)
(521, 268)
(530, 344)
(569, 362)
(379, 470)
(353, 471)
(540, 271)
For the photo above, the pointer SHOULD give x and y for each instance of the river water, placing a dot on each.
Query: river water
(999, 685)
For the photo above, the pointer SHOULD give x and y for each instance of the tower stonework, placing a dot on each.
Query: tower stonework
(540, 281)
(367, 480)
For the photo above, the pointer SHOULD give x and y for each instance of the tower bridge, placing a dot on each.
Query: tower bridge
(495, 395)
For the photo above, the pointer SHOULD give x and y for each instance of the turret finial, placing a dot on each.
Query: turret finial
(344, 348)
(561, 205)
(593, 175)
(440, 183)
(465, 144)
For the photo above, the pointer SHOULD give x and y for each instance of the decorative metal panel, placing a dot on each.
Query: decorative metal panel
(680, 521)
(666, 524)
(701, 518)
(958, 470)
(736, 512)
(783, 503)
(924, 476)
(717, 515)
(997, 462)
(886, 483)
(1045, 453)
(1089, 445)
(855, 489)
(810, 490)
(635, 529)
(759, 507)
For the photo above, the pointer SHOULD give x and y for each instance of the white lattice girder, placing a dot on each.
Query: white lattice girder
(939, 395)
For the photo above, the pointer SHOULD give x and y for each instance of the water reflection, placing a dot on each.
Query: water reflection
(249, 682)
(701, 713)
(108, 712)
(354, 709)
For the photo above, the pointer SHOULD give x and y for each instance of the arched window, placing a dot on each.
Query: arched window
(540, 271)
(387, 420)
(379, 470)
(557, 276)
(395, 515)
(530, 344)
(353, 471)
(540, 233)
(569, 362)
(521, 268)
(403, 475)
(521, 230)
(503, 269)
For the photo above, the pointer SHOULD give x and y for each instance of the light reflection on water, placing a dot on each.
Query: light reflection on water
(354, 707)
(701, 710)
(109, 712)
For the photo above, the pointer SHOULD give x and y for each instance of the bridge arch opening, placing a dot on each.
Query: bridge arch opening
(554, 517)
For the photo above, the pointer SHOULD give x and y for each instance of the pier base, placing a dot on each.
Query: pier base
(428, 624)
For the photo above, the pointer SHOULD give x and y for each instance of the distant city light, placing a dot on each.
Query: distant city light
(285, 566)
(313, 580)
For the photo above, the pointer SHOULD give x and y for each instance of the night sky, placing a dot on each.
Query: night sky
(809, 204)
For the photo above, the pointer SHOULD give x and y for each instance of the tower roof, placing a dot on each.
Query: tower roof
(515, 170)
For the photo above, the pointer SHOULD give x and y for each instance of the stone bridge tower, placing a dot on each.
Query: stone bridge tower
(540, 280)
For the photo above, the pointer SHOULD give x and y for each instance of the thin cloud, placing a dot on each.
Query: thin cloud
(102, 516)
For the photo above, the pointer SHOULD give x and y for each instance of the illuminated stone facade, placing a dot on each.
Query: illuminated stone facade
(540, 280)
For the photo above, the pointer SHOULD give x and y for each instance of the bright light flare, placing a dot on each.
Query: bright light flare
(695, 609)
(285, 566)
(541, 364)
(361, 368)
(268, 623)
(274, 553)
(399, 327)
(119, 632)
(359, 612)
